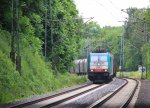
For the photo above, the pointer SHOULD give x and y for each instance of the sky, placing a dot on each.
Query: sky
(108, 12)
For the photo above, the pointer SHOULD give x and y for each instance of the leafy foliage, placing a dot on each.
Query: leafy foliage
(134, 39)
(37, 76)
(106, 38)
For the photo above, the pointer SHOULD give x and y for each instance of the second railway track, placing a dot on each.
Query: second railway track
(120, 98)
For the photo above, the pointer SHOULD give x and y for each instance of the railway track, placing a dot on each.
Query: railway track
(58, 98)
(120, 98)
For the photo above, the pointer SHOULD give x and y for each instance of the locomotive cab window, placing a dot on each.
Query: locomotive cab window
(103, 58)
(99, 62)
(98, 58)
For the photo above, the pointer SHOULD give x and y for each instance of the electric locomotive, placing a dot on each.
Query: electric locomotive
(100, 67)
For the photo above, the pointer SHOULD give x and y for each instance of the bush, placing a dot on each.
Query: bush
(36, 75)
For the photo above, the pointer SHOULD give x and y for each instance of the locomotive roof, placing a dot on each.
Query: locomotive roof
(100, 53)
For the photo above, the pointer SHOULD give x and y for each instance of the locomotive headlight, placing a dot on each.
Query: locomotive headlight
(92, 70)
(105, 70)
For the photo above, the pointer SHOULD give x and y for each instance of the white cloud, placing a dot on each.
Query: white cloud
(107, 12)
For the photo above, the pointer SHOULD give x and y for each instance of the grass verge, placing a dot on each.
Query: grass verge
(132, 74)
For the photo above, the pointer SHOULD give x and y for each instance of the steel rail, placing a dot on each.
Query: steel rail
(48, 97)
(126, 103)
(98, 104)
(131, 96)
(71, 97)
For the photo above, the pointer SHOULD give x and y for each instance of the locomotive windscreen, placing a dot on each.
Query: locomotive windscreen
(99, 62)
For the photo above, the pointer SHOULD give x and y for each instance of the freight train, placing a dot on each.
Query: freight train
(80, 67)
(99, 67)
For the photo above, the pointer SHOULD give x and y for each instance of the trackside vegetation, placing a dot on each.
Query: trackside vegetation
(36, 78)
(37, 75)
(133, 74)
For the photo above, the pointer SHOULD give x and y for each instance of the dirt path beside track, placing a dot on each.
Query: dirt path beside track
(143, 100)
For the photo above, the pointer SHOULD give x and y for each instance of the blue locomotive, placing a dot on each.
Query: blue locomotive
(100, 67)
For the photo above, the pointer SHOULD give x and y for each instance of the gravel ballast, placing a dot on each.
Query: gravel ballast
(89, 99)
